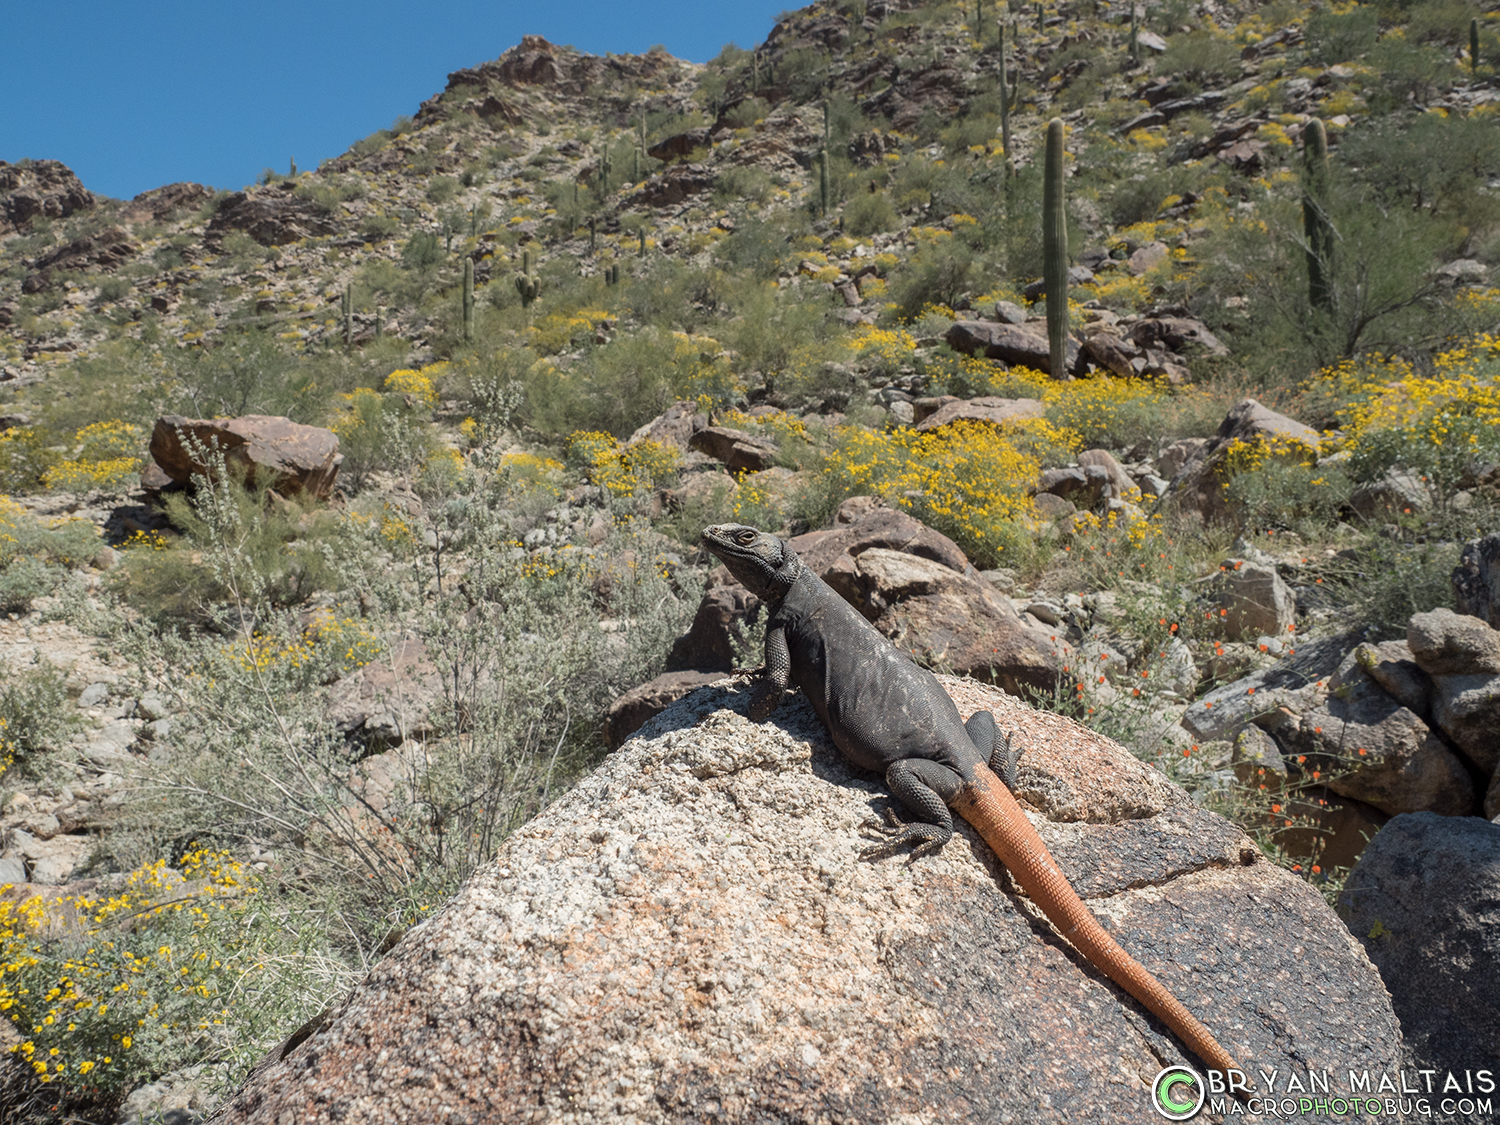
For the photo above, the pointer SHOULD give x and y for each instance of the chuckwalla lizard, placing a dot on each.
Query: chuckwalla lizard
(887, 714)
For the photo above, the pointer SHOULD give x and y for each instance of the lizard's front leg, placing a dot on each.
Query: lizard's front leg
(776, 677)
(923, 787)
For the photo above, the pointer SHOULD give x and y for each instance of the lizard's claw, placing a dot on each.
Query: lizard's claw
(896, 834)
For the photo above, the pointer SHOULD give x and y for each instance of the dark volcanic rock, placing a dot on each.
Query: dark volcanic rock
(104, 252)
(33, 189)
(1009, 342)
(272, 216)
(162, 203)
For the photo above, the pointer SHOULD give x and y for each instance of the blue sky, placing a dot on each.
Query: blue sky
(135, 95)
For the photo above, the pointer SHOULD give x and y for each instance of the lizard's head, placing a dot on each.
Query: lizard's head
(764, 564)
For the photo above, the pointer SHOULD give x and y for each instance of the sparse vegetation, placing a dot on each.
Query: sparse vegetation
(499, 548)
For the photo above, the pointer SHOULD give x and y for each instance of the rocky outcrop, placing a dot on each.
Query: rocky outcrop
(738, 450)
(630, 711)
(1199, 485)
(272, 452)
(673, 186)
(33, 189)
(690, 932)
(1421, 901)
(1010, 343)
(103, 252)
(1255, 600)
(675, 427)
(985, 408)
(163, 203)
(914, 584)
(273, 216)
(1476, 580)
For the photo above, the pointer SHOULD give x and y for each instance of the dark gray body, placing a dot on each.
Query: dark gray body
(886, 708)
(883, 712)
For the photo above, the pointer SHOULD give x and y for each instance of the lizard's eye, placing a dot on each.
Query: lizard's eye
(745, 537)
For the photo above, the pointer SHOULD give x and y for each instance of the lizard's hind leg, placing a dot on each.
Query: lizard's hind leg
(922, 787)
(998, 750)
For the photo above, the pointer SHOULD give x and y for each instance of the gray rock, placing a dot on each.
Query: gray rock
(1121, 487)
(1422, 902)
(1052, 507)
(1014, 344)
(1396, 493)
(402, 685)
(1007, 312)
(1476, 580)
(986, 408)
(1061, 482)
(1257, 759)
(738, 450)
(1257, 600)
(179, 1098)
(1178, 454)
(724, 946)
(1467, 710)
(1446, 643)
(93, 695)
(902, 413)
(12, 870)
(1390, 665)
(1369, 747)
(151, 707)
(1294, 684)
(627, 713)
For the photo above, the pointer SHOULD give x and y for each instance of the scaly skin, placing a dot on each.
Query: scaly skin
(889, 715)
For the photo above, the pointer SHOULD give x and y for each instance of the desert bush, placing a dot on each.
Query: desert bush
(165, 967)
(868, 213)
(742, 184)
(941, 272)
(1335, 36)
(971, 481)
(36, 716)
(36, 556)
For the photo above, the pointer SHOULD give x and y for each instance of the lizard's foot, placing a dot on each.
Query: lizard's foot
(896, 835)
(1006, 756)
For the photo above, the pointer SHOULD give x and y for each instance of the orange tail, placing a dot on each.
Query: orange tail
(993, 811)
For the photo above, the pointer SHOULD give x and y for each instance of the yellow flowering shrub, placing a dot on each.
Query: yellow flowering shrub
(970, 480)
(329, 647)
(417, 386)
(622, 470)
(104, 989)
(1440, 425)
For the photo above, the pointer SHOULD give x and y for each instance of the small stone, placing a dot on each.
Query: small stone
(93, 695)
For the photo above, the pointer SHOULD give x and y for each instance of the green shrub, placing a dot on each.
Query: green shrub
(1341, 37)
(940, 273)
(869, 213)
(36, 715)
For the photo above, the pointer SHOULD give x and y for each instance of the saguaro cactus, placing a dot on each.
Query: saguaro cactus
(642, 251)
(1474, 46)
(1135, 42)
(1315, 225)
(823, 182)
(1007, 99)
(347, 308)
(468, 298)
(1055, 249)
